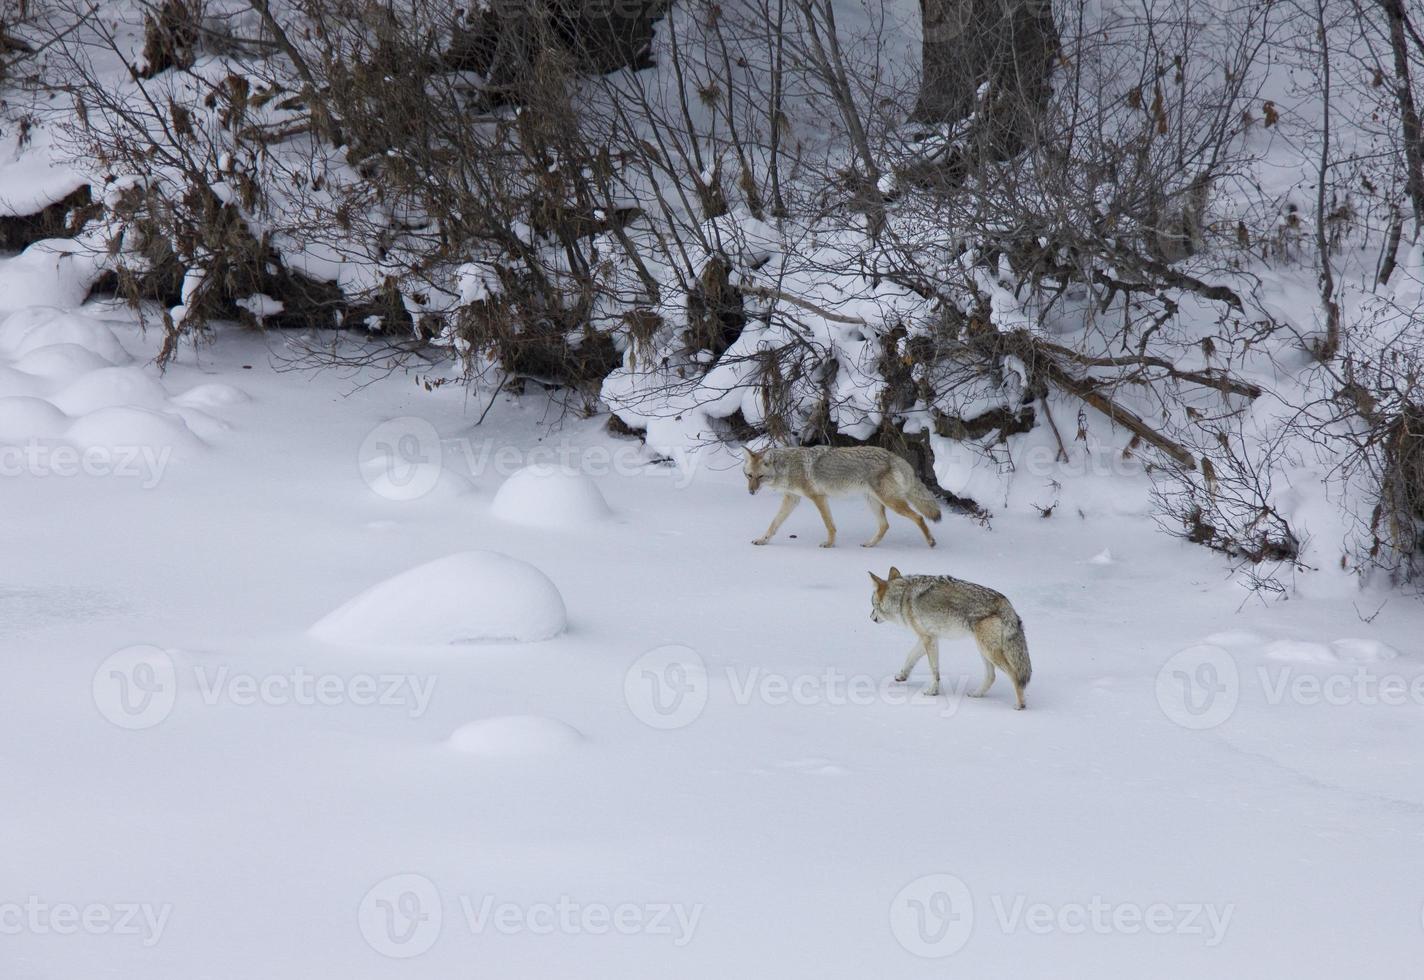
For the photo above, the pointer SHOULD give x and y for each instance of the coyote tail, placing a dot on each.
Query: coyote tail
(1014, 645)
(923, 500)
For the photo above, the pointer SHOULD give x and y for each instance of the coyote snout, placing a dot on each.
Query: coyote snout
(937, 606)
(820, 472)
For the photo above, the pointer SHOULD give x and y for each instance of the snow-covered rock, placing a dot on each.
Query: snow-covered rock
(125, 427)
(28, 330)
(549, 496)
(59, 364)
(109, 387)
(467, 597)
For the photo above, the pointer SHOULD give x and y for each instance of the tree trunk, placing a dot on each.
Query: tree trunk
(1010, 44)
(1413, 132)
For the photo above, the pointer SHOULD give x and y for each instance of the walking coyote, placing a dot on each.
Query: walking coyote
(818, 472)
(937, 606)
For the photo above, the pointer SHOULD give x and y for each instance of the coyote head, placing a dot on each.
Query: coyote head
(757, 469)
(878, 608)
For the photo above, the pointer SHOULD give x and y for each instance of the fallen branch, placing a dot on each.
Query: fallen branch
(1089, 393)
(766, 292)
(1208, 378)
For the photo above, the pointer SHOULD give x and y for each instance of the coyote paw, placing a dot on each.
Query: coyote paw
(759, 541)
(902, 678)
(828, 544)
(975, 694)
(932, 691)
(870, 544)
(931, 542)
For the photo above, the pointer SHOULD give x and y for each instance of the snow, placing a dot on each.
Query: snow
(111, 387)
(53, 272)
(260, 305)
(60, 362)
(32, 182)
(17, 383)
(549, 495)
(717, 728)
(403, 459)
(468, 597)
(211, 396)
(71, 404)
(1349, 650)
(514, 736)
(684, 722)
(123, 426)
(23, 417)
(29, 330)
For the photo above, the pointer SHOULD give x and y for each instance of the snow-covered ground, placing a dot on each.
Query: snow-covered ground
(708, 769)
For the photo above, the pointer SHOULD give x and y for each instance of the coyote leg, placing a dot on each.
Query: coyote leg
(904, 510)
(824, 508)
(932, 646)
(988, 680)
(916, 652)
(788, 504)
(878, 509)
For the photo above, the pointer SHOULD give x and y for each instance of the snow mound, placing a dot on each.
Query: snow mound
(212, 396)
(53, 272)
(33, 181)
(467, 597)
(201, 424)
(23, 418)
(60, 363)
(125, 427)
(28, 330)
(108, 387)
(549, 496)
(514, 736)
(14, 382)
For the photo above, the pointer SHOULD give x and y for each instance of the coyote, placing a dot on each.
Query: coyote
(819, 472)
(938, 605)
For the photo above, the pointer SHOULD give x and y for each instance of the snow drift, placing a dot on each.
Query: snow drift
(514, 736)
(550, 496)
(468, 597)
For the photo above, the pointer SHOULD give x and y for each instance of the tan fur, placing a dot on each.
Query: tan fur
(820, 472)
(936, 606)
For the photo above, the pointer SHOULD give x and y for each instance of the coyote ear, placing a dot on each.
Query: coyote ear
(752, 454)
(876, 579)
(894, 573)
